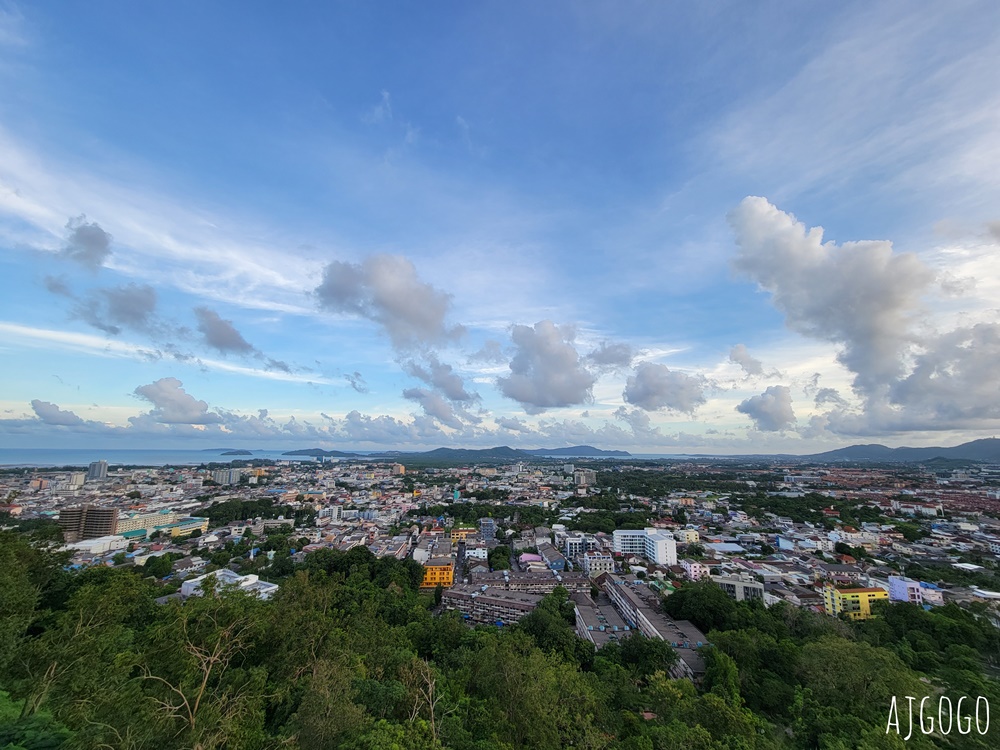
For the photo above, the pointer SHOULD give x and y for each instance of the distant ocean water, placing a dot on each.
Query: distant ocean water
(84, 456)
(43, 457)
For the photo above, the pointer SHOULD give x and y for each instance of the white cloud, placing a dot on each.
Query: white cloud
(387, 290)
(546, 370)
(771, 410)
(861, 295)
(654, 386)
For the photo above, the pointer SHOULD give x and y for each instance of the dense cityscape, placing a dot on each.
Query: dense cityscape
(583, 559)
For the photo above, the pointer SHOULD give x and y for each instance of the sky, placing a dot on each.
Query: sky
(716, 227)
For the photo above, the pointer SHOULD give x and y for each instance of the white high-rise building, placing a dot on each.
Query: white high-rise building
(655, 545)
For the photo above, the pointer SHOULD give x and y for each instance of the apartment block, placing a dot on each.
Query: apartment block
(87, 522)
(438, 571)
(856, 603)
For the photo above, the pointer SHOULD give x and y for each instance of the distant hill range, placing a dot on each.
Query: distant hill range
(986, 450)
(501, 453)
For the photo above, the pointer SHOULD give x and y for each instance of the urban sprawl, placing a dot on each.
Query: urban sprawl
(494, 539)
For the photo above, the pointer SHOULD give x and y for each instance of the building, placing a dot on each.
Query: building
(488, 529)
(855, 603)
(87, 522)
(574, 545)
(687, 536)
(438, 571)
(595, 563)
(98, 470)
(597, 621)
(460, 533)
(490, 604)
(183, 526)
(544, 582)
(226, 577)
(741, 587)
(553, 558)
(629, 541)
(641, 615)
(227, 476)
(584, 477)
(661, 548)
(902, 589)
(144, 521)
(655, 545)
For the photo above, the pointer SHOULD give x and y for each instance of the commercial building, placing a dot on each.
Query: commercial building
(585, 477)
(855, 603)
(87, 522)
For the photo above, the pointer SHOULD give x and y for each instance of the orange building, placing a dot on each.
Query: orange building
(459, 533)
(438, 571)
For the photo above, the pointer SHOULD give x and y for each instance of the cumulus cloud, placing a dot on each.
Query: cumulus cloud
(954, 380)
(611, 355)
(546, 370)
(639, 421)
(87, 244)
(434, 405)
(654, 386)
(861, 295)
(51, 414)
(771, 410)
(513, 424)
(742, 357)
(173, 405)
(387, 290)
(442, 377)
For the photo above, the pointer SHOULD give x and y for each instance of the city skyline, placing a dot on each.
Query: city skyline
(649, 227)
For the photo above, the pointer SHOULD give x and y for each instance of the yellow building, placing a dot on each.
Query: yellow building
(438, 572)
(459, 534)
(688, 536)
(184, 526)
(856, 603)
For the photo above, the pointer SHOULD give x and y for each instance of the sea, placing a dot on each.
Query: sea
(49, 457)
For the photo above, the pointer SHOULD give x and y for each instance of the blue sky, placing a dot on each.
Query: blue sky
(664, 227)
